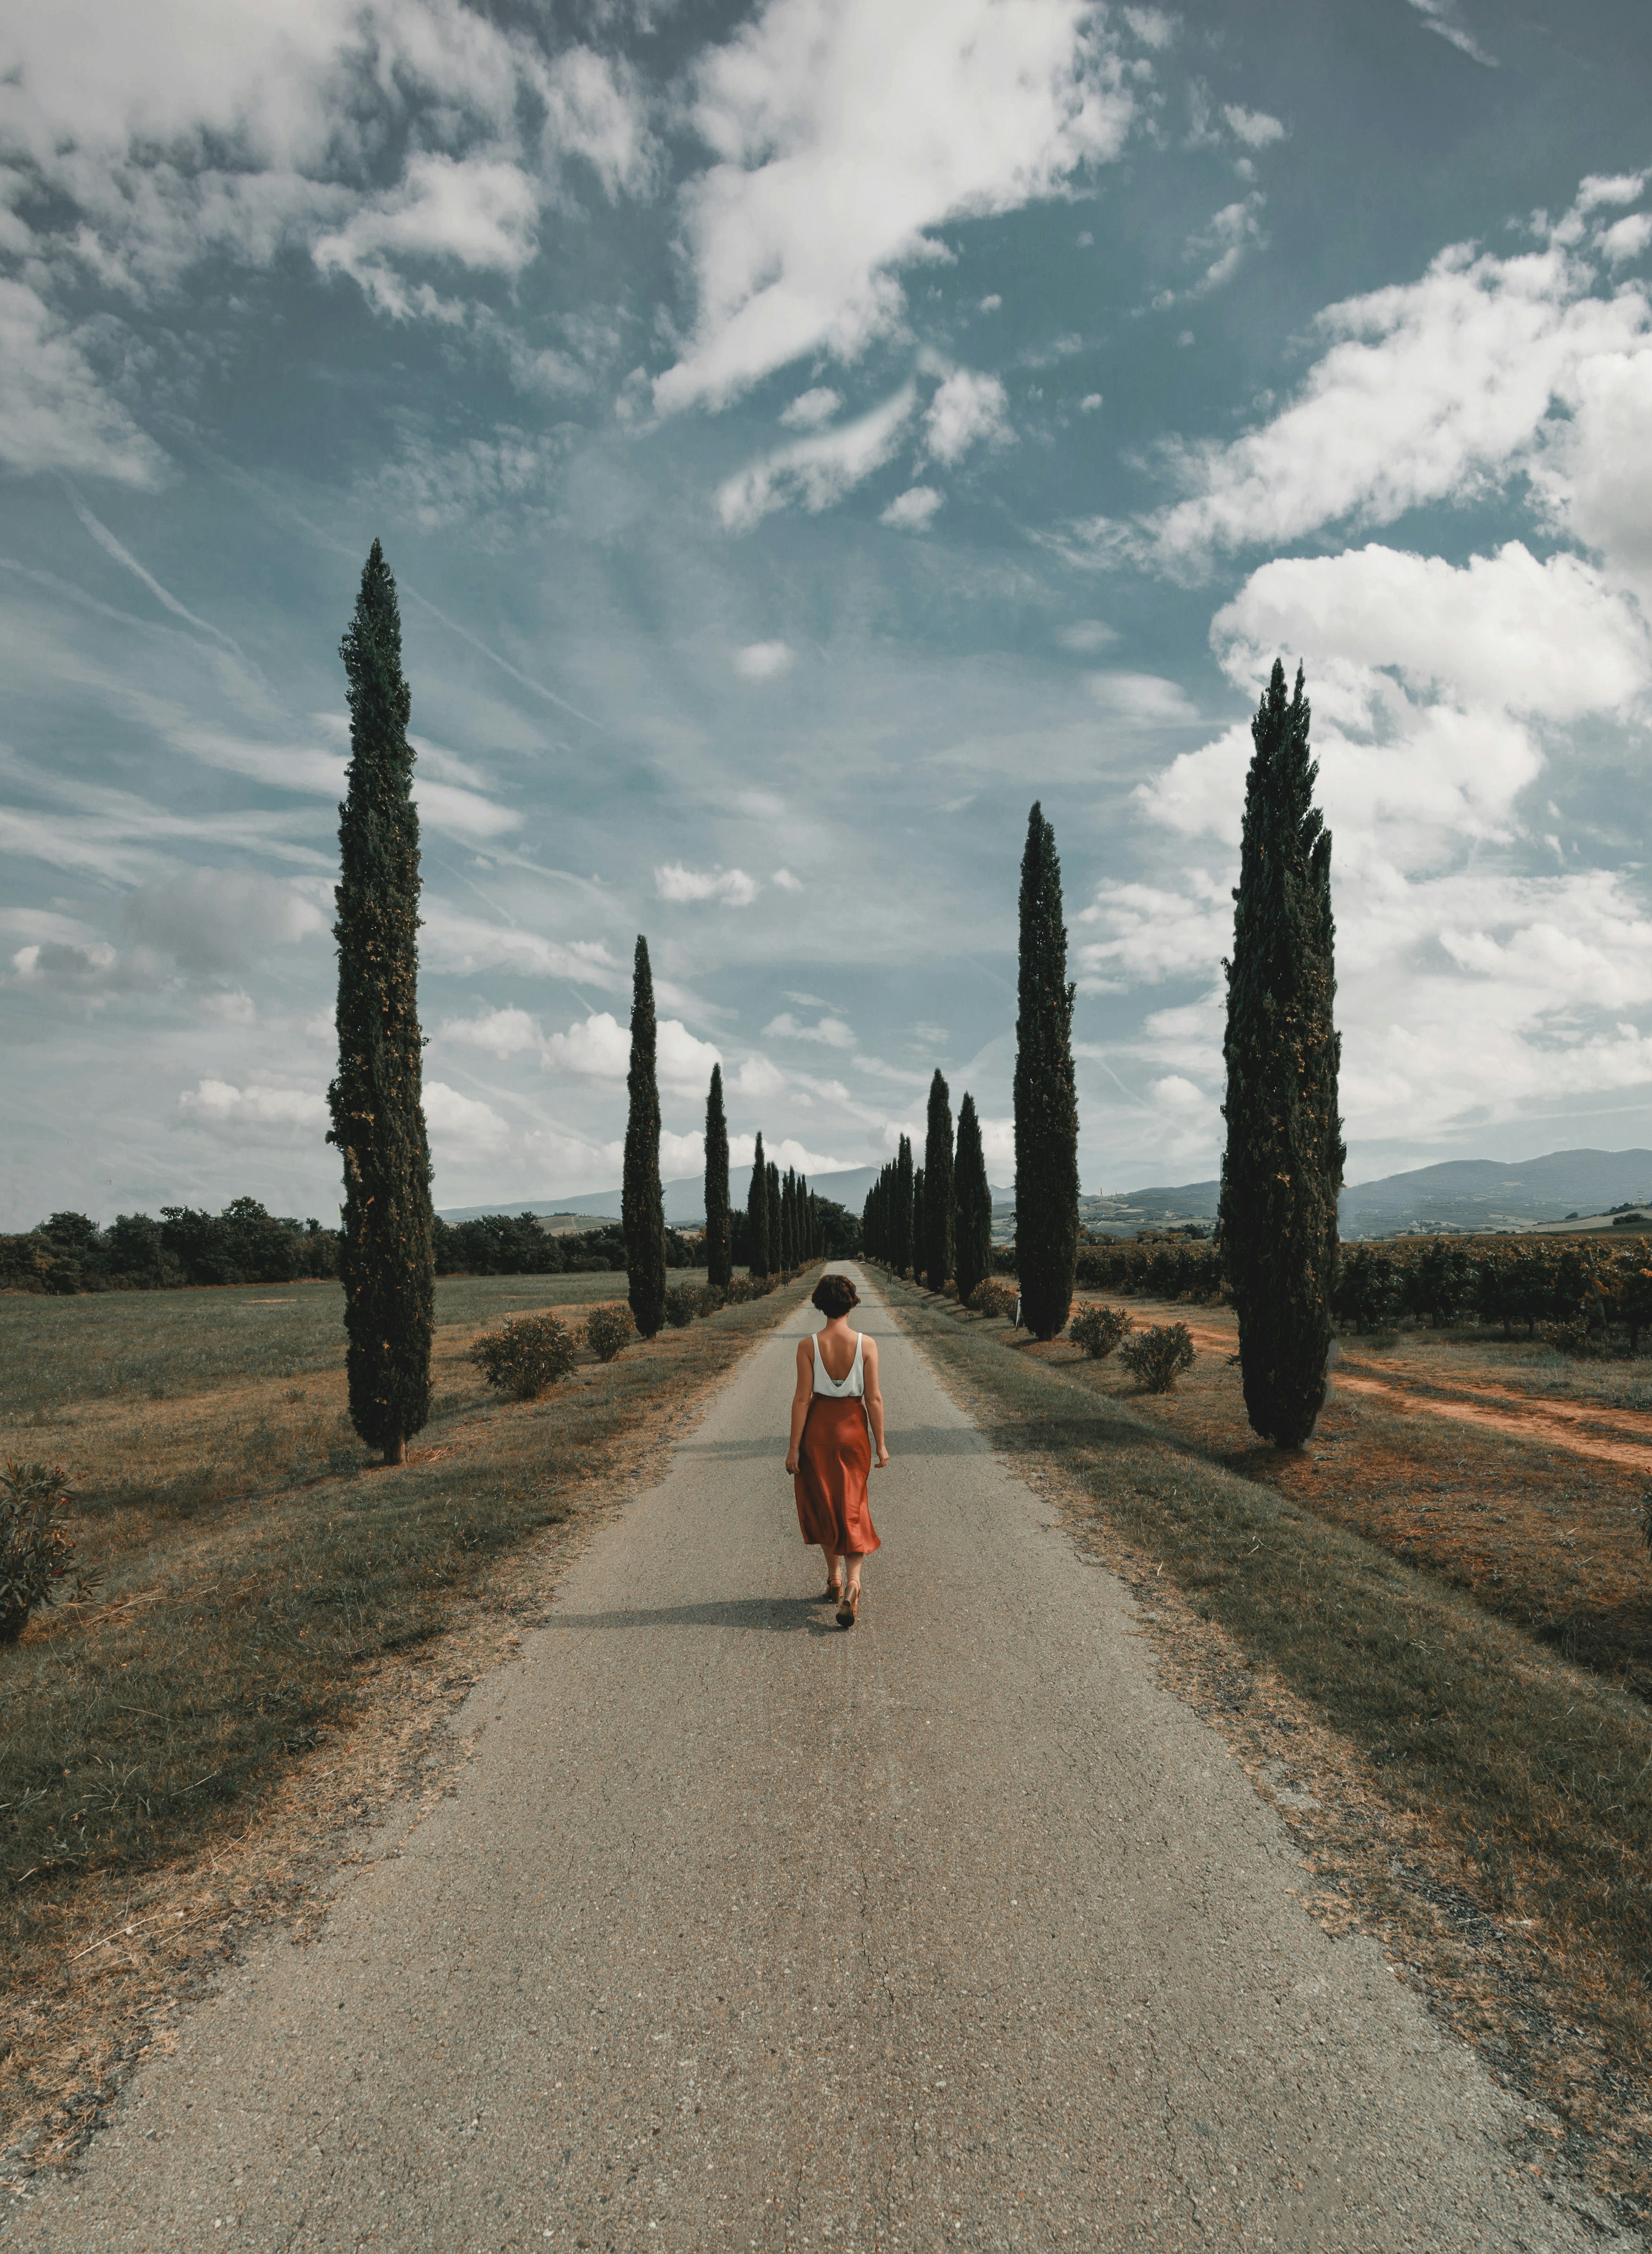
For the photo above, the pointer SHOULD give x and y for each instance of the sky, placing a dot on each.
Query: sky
(804, 434)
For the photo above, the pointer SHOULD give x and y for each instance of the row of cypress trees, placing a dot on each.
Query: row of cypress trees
(935, 1219)
(1282, 1168)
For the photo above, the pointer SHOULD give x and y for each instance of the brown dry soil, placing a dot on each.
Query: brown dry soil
(1532, 1504)
(102, 1965)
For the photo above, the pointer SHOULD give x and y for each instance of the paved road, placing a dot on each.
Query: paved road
(739, 1932)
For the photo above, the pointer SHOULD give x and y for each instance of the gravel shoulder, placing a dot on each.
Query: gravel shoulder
(737, 1931)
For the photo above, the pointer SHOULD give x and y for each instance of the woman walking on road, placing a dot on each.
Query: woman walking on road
(830, 1451)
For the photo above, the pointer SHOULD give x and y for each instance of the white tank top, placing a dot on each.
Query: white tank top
(852, 1387)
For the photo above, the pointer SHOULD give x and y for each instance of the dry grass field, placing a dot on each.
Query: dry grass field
(261, 1589)
(1429, 1635)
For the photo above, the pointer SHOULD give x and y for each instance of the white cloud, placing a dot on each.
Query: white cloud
(1086, 636)
(812, 408)
(788, 1151)
(79, 966)
(762, 661)
(1609, 188)
(680, 1155)
(1428, 388)
(461, 1127)
(1090, 403)
(830, 1031)
(464, 945)
(1595, 467)
(1144, 699)
(818, 471)
(59, 416)
(786, 882)
(998, 1145)
(254, 1114)
(1445, 17)
(912, 510)
(499, 1032)
(757, 1081)
(1628, 238)
(479, 212)
(732, 887)
(844, 135)
(216, 919)
(463, 814)
(1154, 27)
(594, 109)
(968, 408)
(1230, 232)
(990, 303)
(1254, 126)
(598, 1048)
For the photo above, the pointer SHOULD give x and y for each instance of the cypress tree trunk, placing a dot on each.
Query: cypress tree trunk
(718, 1266)
(1283, 1169)
(939, 1218)
(757, 1213)
(776, 1241)
(973, 1260)
(901, 1234)
(386, 1259)
(1046, 1098)
(642, 1209)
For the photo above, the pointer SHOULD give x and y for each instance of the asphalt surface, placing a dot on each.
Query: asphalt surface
(739, 1931)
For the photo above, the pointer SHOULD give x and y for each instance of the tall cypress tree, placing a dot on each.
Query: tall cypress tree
(917, 1224)
(642, 1209)
(717, 1253)
(757, 1213)
(788, 1222)
(387, 1262)
(972, 1258)
(1046, 1097)
(940, 1221)
(1283, 1169)
(776, 1241)
(901, 1233)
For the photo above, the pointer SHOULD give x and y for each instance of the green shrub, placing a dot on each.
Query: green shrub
(608, 1329)
(1572, 1337)
(1099, 1329)
(36, 1550)
(1156, 1357)
(527, 1357)
(712, 1296)
(682, 1305)
(991, 1297)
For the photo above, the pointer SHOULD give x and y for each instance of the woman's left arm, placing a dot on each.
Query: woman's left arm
(800, 1400)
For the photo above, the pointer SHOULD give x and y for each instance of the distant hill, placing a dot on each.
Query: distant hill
(1456, 1194)
(684, 1200)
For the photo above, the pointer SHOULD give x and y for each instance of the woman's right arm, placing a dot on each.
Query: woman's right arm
(800, 1400)
(874, 1403)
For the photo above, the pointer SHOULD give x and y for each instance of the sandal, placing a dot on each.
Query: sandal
(832, 1593)
(849, 1609)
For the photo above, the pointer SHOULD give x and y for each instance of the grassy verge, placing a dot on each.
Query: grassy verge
(256, 1572)
(1513, 1788)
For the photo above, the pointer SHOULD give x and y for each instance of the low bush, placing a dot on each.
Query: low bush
(682, 1305)
(1156, 1357)
(712, 1296)
(36, 1550)
(527, 1357)
(1574, 1337)
(991, 1297)
(608, 1329)
(1099, 1330)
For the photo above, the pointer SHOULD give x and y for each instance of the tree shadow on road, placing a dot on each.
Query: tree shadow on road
(767, 1615)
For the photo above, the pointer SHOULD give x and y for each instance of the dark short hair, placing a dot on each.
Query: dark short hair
(834, 1295)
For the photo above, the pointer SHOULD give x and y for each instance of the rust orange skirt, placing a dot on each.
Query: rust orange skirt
(833, 1461)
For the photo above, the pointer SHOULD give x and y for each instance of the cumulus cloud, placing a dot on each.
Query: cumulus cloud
(478, 213)
(732, 887)
(815, 472)
(812, 408)
(59, 415)
(757, 1081)
(786, 881)
(211, 920)
(763, 660)
(913, 510)
(844, 137)
(1427, 389)
(499, 1033)
(1142, 699)
(1254, 126)
(461, 1126)
(968, 409)
(598, 1047)
(256, 1114)
(830, 1031)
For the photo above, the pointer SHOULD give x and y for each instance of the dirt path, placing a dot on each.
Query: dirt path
(741, 1933)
